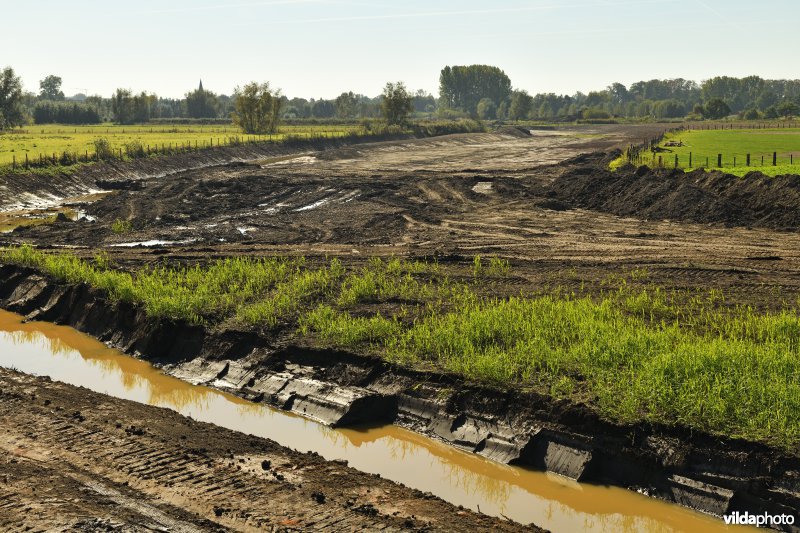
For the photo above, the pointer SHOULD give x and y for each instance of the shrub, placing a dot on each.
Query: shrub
(134, 149)
(102, 149)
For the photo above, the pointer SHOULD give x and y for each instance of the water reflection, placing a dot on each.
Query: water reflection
(462, 478)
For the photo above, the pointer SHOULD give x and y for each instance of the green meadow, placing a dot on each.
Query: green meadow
(49, 139)
(734, 145)
(633, 354)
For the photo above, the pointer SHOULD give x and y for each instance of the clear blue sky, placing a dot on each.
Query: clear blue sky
(321, 48)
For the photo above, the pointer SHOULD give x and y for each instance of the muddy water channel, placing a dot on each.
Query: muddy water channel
(547, 500)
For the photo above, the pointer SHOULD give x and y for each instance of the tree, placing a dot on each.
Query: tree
(11, 112)
(751, 114)
(143, 105)
(122, 107)
(258, 108)
(618, 94)
(771, 112)
(396, 103)
(787, 109)
(502, 111)
(423, 102)
(462, 87)
(201, 103)
(323, 109)
(669, 109)
(50, 88)
(486, 109)
(346, 105)
(716, 108)
(520, 106)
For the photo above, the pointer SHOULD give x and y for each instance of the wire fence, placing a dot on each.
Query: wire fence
(658, 159)
(658, 153)
(138, 149)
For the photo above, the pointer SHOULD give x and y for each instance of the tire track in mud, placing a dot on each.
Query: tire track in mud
(122, 463)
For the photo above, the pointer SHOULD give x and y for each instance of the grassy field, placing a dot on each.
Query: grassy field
(705, 145)
(682, 357)
(55, 139)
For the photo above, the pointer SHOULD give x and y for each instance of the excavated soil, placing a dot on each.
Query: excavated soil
(559, 217)
(546, 202)
(704, 197)
(75, 460)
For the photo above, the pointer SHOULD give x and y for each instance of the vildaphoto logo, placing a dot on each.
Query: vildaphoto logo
(759, 520)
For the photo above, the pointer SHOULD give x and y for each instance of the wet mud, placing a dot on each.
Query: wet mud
(394, 453)
(699, 471)
(558, 216)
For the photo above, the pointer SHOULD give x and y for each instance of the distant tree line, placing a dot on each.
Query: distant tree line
(485, 92)
(50, 112)
(476, 91)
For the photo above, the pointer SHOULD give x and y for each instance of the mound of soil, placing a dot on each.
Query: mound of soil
(705, 197)
(515, 131)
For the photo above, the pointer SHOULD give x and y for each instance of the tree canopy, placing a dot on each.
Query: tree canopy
(12, 113)
(396, 104)
(257, 108)
(50, 88)
(201, 103)
(463, 87)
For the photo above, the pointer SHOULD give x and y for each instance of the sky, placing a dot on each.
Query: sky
(320, 48)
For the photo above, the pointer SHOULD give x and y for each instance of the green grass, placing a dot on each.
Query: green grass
(632, 354)
(705, 145)
(121, 226)
(52, 139)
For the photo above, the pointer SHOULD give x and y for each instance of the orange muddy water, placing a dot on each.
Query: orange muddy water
(461, 478)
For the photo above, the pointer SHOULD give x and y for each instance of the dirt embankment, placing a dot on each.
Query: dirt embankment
(705, 472)
(75, 460)
(705, 197)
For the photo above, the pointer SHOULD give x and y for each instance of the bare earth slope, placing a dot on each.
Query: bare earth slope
(75, 460)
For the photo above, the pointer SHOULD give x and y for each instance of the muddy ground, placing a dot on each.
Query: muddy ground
(545, 202)
(559, 219)
(75, 460)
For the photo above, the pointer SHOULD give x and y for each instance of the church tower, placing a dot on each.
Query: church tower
(201, 86)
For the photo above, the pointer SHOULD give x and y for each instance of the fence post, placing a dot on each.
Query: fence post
(734, 161)
(774, 159)
(660, 163)
(676, 160)
(748, 160)
(719, 160)
(690, 159)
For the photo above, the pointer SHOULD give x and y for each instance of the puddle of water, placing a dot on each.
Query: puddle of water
(289, 159)
(315, 205)
(154, 242)
(482, 187)
(465, 479)
(46, 213)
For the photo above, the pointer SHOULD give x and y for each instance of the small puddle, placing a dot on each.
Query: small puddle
(151, 243)
(526, 496)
